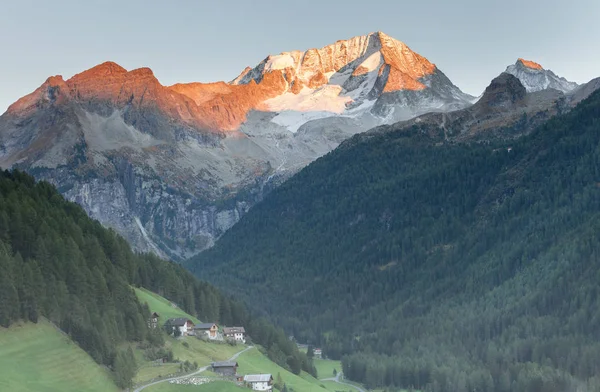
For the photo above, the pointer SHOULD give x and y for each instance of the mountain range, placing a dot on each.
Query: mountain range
(173, 167)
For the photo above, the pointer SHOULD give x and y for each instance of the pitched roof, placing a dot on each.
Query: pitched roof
(224, 364)
(204, 325)
(258, 377)
(227, 330)
(178, 322)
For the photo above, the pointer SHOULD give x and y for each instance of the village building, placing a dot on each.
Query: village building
(184, 325)
(317, 353)
(227, 368)
(259, 382)
(211, 330)
(235, 333)
(153, 320)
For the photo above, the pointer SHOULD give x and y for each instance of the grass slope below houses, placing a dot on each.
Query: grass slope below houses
(165, 308)
(217, 386)
(187, 348)
(38, 357)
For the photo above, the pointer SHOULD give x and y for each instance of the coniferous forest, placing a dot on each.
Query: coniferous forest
(433, 265)
(57, 263)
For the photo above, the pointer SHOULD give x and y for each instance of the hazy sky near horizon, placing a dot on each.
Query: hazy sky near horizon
(471, 41)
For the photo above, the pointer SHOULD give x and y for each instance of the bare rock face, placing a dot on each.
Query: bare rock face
(505, 90)
(173, 167)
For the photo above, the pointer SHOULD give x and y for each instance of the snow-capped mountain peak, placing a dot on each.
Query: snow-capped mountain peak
(535, 78)
(373, 75)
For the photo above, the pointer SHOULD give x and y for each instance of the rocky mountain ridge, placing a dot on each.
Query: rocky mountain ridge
(173, 167)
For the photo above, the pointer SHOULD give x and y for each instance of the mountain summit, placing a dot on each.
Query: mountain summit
(364, 74)
(535, 78)
(173, 167)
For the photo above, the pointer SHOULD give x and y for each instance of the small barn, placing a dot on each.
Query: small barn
(259, 382)
(226, 368)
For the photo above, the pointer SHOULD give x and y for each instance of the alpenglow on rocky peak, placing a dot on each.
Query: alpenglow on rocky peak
(173, 167)
(363, 54)
(535, 78)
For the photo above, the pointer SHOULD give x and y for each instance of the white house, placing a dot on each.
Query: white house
(184, 325)
(317, 353)
(236, 333)
(259, 382)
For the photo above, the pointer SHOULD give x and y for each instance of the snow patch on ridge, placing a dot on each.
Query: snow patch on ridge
(326, 98)
(372, 63)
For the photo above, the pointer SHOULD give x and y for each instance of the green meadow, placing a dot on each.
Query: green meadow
(39, 357)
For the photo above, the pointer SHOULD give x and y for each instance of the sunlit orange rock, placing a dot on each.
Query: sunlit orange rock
(223, 107)
(530, 64)
(399, 80)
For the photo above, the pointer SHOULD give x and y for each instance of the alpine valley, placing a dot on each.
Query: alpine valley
(351, 196)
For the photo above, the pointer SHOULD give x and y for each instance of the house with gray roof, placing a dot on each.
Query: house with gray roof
(235, 333)
(259, 382)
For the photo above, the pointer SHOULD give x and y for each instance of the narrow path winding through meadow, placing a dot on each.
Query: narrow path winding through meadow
(200, 370)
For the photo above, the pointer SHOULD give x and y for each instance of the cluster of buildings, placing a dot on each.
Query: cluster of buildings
(212, 331)
(186, 327)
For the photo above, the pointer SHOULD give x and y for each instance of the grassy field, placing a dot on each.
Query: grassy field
(217, 386)
(201, 351)
(253, 361)
(162, 306)
(325, 367)
(148, 372)
(38, 357)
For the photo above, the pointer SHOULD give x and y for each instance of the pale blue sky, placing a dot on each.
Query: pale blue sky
(471, 41)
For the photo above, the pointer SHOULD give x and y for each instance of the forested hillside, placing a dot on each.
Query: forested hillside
(58, 263)
(435, 265)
